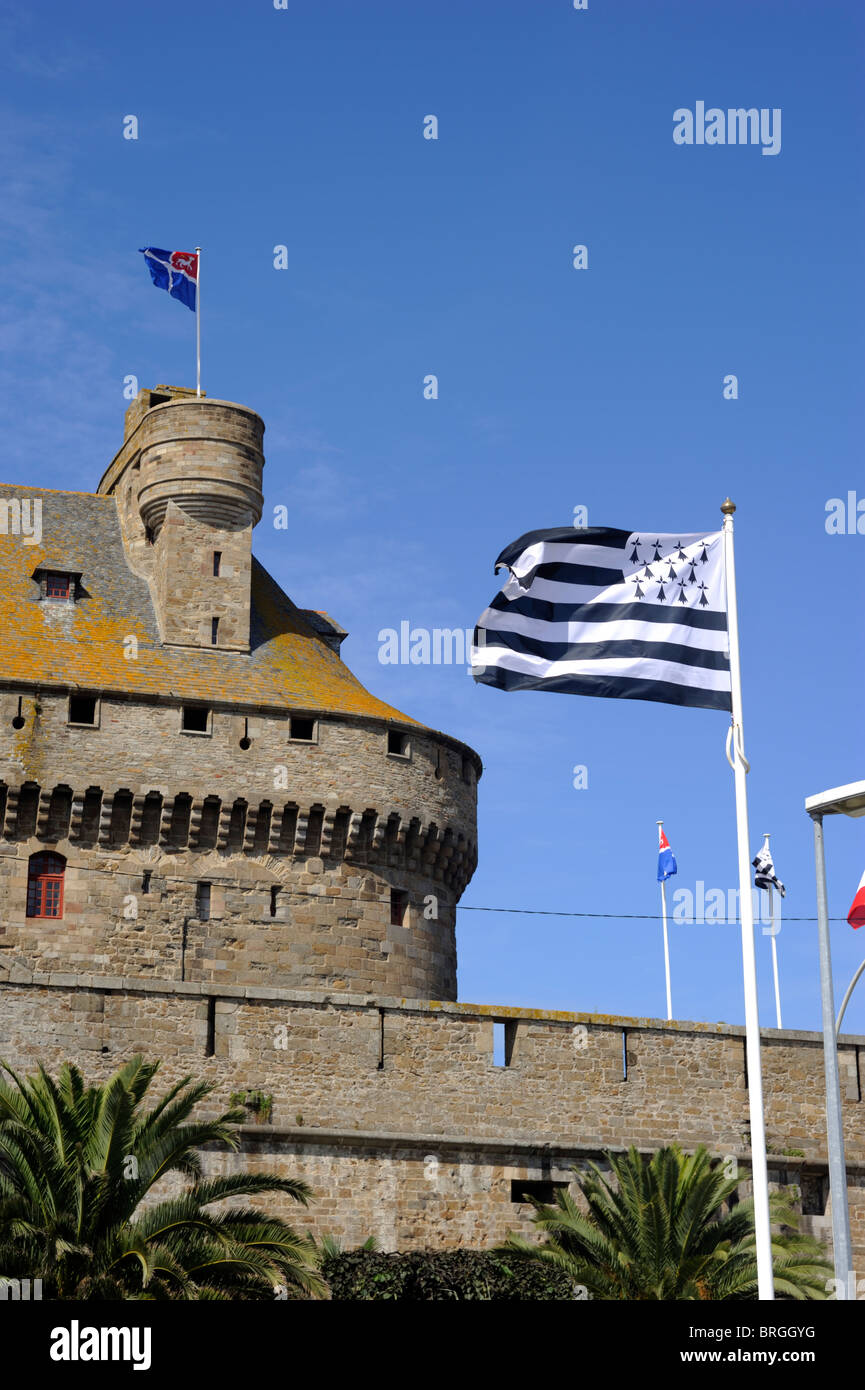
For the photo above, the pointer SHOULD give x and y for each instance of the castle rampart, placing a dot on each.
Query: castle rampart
(400, 1106)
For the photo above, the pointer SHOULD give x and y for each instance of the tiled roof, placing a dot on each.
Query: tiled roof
(58, 564)
(83, 644)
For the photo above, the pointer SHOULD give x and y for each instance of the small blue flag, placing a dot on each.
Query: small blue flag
(666, 859)
(175, 271)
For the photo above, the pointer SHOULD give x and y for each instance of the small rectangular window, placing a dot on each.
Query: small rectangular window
(82, 709)
(503, 1042)
(57, 585)
(217, 561)
(274, 895)
(302, 729)
(195, 719)
(145, 880)
(398, 907)
(815, 1194)
(214, 631)
(202, 902)
(397, 743)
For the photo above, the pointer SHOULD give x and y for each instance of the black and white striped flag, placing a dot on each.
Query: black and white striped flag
(765, 877)
(614, 613)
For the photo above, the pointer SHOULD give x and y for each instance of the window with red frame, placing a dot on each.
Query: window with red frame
(57, 585)
(45, 885)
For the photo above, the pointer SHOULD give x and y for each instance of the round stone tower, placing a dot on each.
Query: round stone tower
(206, 457)
(212, 794)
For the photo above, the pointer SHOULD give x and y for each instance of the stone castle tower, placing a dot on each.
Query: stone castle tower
(196, 788)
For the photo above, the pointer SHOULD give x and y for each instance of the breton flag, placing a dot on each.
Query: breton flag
(175, 271)
(765, 877)
(856, 915)
(667, 865)
(633, 616)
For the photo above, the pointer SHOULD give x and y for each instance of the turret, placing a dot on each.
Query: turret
(189, 481)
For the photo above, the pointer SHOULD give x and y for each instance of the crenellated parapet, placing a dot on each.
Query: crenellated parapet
(405, 1104)
(126, 819)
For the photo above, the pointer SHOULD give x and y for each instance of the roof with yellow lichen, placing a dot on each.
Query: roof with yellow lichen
(84, 644)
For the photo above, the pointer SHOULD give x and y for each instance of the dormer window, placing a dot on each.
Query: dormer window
(58, 586)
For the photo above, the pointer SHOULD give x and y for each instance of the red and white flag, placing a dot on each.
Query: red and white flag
(856, 915)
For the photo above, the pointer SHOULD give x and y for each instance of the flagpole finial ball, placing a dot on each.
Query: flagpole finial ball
(728, 507)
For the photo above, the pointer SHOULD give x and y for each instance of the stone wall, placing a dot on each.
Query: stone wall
(306, 923)
(139, 744)
(398, 1115)
(300, 842)
(191, 587)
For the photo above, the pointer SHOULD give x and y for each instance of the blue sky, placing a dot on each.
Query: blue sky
(557, 388)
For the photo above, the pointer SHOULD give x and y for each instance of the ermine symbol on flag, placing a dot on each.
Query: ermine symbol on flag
(611, 613)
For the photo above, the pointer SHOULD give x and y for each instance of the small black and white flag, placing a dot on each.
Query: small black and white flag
(612, 613)
(765, 877)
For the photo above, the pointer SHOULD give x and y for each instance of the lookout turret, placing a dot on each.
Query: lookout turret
(189, 478)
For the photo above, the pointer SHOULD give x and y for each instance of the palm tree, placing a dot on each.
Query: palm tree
(76, 1165)
(665, 1231)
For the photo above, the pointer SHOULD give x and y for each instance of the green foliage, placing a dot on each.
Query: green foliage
(259, 1102)
(331, 1246)
(76, 1165)
(663, 1229)
(428, 1275)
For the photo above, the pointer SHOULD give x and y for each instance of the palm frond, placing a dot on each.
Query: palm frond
(660, 1228)
(73, 1209)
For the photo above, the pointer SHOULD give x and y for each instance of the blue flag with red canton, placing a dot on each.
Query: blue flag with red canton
(666, 859)
(175, 271)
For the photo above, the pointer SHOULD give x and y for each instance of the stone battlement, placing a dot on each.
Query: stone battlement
(402, 1102)
(123, 820)
(356, 1060)
(326, 849)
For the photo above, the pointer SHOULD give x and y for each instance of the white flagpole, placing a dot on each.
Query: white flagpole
(198, 325)
(759, 1172)
(666, 937)
(774, 947)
